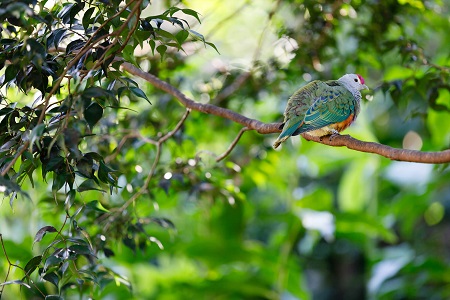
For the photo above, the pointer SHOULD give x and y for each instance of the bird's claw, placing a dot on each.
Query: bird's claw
(334, 134)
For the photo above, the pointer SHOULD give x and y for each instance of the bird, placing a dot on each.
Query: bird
(322, 108)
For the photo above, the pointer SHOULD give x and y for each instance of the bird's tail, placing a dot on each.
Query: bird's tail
(279, 141)
(288, 130)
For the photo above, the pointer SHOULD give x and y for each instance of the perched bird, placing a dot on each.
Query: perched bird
(322, 108)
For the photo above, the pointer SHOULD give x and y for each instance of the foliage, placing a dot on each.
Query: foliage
(127, 199)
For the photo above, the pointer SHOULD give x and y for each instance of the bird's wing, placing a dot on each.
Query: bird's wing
(334, 105)
(298, 105)
(302, 99)
(296, 108)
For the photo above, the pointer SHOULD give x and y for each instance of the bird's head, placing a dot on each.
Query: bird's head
(354, 81)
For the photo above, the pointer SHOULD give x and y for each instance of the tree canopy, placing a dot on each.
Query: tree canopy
(136, 158)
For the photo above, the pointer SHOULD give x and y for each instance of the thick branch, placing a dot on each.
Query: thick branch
(383, 150)
(264, 128)
(252, 124)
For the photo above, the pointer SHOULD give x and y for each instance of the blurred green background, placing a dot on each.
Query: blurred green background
(307, 221)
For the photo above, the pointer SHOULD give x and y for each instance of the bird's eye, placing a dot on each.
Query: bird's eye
(356, 80)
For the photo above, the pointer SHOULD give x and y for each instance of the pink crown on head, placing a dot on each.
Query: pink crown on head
(360, 78)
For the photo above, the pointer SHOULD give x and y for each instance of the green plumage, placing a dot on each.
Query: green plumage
(319, 108)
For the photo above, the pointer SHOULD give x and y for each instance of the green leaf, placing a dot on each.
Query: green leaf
(182, 36)
(128, 54)
(36, 134)
(139, 93)
(87, 18)
(93, 113)
(191, 12)
(213, 46)
(97, 206)
(152, 44)
(161, 49)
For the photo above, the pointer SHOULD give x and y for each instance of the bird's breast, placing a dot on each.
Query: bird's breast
(344, 124)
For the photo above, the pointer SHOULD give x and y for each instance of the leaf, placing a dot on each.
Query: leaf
(20, 282)
(32, 264)
(161, 49)
(197, 35)
(11, 72)
(81, 250)
(53, 163)
(53, 297)
(104, 174)
(152, 44)
(58, 181)
(36, 134)
(93, 113)
(191, 12)
(52, 261)
(56, 37)
(96, 92)
(138, 92)
(40, 234)
(213, 46)
(163, 222)
(128, 54)
(88, 185)
(182, 36)
(97, 206)
(75, 45)
(6, 110)
(9, 187)
(52, 278)
(86, 21)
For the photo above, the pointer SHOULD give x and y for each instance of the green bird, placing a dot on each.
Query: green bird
(322, 108)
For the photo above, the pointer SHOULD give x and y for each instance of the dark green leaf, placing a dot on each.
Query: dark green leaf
(52, 261)
(52, 278)
(138, 92)
(88, 185)
(93, 113)
(81, 250)
(40, 234)
(32, 264)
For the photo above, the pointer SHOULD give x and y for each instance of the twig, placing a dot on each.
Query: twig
(233, 144)
(159, 143)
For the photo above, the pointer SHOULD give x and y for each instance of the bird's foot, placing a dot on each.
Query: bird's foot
(334, 133)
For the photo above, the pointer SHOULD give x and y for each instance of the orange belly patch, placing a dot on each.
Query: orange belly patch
(344, 124)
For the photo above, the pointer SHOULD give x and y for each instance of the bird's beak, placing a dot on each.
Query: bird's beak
(365, 87)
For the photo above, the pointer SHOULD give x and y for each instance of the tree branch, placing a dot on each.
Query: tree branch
(266, 128)
(233, 144)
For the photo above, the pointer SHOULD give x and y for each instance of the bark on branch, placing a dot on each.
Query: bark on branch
(266, 128)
